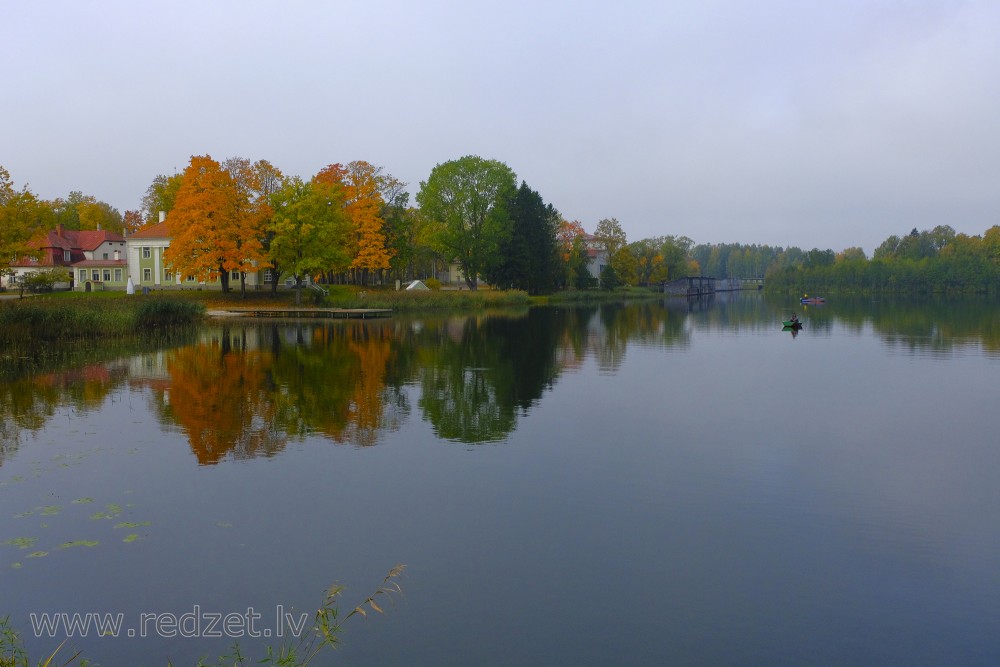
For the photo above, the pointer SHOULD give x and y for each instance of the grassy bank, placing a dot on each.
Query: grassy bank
(69, 317)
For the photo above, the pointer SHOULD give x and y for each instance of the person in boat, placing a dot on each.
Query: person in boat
(794, 319)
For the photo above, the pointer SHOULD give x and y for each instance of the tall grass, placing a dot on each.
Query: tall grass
(40, 319)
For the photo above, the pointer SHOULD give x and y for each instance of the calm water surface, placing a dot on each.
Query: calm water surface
(664, 483)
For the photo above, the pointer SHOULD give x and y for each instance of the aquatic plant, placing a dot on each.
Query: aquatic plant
(323, 634)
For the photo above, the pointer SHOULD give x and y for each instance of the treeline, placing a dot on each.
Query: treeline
(354, 224)
(921, 262)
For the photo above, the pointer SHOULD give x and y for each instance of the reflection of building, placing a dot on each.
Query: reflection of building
(96, 258)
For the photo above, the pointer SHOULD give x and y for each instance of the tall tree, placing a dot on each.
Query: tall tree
(309, 229)
(364, 209)
(202, 223)
(254, 184)
(529, 257)
(467, 197)
(609, 233)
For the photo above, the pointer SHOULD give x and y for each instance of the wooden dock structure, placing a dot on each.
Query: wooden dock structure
(304, 313)
(702, 285)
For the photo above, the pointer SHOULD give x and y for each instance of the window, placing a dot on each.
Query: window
(268, 276)
(190, 279)
(107, 275)
(168, 275)
(67, 255)
(105, 255)
(147, 275)
(146, 254)
(83, 275)
(118, 275)
(235, 275)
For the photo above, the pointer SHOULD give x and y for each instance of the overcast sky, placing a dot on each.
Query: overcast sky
(813, 123)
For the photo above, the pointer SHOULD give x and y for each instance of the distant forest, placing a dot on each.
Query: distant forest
(936, 260)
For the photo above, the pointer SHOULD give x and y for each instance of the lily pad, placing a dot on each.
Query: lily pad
(37, 554)
(21, 542)
(130, 538)
(132, 524)
(79, 543)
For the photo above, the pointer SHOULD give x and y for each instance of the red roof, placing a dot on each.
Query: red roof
(91, 240)
(157, 231)
(71, 239)
(85, 263)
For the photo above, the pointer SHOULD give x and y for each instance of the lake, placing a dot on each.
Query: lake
(677, 482)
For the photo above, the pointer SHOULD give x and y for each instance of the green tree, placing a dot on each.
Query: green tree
(160, 196)
(529, 258)
(611, 236)
(308, 229)
(468, 199)
(579, 258)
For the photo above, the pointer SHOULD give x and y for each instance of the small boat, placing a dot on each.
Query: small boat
(791, 324)
(812, 300)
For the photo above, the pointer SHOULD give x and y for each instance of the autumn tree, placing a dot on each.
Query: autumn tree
(20, 211)
(206, 237)
(364, 208)
(467, 198)
(254, 184)
(308, 229)
(80, 212)
(131, 221)
(569, 234)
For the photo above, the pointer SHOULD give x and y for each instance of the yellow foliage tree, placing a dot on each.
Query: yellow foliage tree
(20, 214)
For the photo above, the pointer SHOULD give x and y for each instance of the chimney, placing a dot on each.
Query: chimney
(163, 216)
(59, 230)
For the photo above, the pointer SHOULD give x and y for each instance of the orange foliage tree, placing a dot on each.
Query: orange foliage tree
(364, 210)
(363, 186)
(209, 235)
(255, 183)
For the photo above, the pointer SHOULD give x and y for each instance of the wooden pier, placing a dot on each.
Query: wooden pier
(702, 285)
(304, 313)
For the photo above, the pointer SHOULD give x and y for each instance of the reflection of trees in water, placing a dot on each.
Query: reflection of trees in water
(937, 326)
(473, 385)
(249, 389)
(28, 403)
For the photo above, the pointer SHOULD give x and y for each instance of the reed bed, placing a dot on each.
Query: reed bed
(48, 320)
